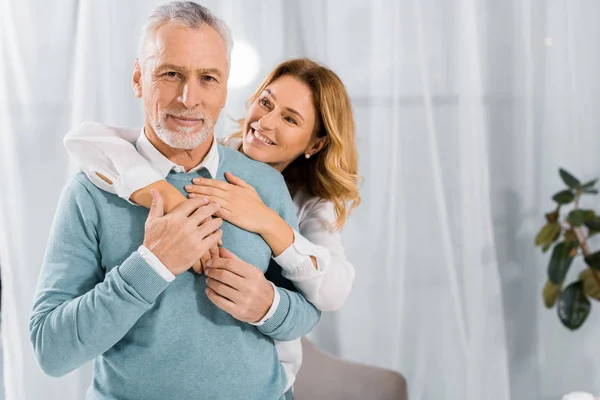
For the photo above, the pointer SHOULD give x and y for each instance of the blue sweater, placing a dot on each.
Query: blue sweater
(97, 299)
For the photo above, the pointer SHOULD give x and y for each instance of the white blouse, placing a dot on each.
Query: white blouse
(110, 151)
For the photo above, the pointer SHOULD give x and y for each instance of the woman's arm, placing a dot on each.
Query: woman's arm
(107, 155)
(318, 245)
(172, 197)
(312, 259)
(277, 233)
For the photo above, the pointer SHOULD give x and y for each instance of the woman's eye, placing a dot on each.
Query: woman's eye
(291, 120)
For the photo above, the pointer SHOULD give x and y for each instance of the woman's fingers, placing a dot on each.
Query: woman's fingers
(236, 180)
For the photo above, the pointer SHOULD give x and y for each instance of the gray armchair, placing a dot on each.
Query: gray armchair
(324, 377)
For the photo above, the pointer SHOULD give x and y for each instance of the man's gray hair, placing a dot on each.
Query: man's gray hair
(185, 13)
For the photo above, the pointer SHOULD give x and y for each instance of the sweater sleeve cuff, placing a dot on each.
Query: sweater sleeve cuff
(135, 179)
(136, 272)
(277, 319)
(156, 264)
(273, 309)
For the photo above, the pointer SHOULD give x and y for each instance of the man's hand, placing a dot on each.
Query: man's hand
(238, 288)
(181, 237)
(212, 254)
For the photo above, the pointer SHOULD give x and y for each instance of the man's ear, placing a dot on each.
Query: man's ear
(137, 79)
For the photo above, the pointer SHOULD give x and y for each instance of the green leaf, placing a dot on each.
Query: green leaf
(593, 260)
(589, 215)
(546, 246)
(592, 232)
(593, 224)
(569, 179)
(590, 219)
(551, 293)
(560, 261)
(577, 217)
(590, 191)
(589, 185)
(590, 283)
(564, 197)
(547, 235)
(573, 306)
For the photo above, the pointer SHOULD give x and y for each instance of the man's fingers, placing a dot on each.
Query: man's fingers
(213, 238)
(224, 253)
(198, 266)
(204, 212)
(208, 227)
(223, 290)
(227, 277)
(188, 207)
(205, 257)
(237, 267)
(157, 209)
(201, 265)
(214, 252)
(226, 305)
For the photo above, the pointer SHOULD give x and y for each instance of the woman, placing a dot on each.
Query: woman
(300, 122)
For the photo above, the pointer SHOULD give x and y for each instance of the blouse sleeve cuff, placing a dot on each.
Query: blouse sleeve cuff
(297, 257)
(135, 179)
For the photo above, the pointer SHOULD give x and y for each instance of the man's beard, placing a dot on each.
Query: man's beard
(186, 138)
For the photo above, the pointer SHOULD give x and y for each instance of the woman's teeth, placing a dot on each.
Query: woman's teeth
(253, 134)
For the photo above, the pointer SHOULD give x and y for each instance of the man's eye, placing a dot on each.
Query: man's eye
(171, 74)
(208, 78)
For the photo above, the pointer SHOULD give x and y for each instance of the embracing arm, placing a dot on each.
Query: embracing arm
(328, 285)
(295, 315)
(107, 155)
(313, 258)
(109, 159)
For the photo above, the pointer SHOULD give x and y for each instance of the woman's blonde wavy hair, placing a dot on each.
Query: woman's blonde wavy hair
(332, 173)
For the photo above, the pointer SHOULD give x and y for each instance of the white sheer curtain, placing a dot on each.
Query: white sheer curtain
(464, 108)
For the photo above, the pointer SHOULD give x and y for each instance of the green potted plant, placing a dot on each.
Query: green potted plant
(566, 231)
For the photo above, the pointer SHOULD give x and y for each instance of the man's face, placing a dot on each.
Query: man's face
(183, 83)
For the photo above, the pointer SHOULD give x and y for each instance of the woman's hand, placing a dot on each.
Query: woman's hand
(240, 204)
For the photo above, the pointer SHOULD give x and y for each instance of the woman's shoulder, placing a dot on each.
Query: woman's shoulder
(309, 205)
(267, 181)
(231, 142)
(246, 166)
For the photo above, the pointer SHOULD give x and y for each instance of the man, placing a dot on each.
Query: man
(120, 292)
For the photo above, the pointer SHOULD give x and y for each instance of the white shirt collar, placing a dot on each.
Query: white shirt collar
(163, 165)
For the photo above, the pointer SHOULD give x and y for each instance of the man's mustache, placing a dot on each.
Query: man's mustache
(185, 113)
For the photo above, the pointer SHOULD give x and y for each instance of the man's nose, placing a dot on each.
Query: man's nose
(191, 94)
